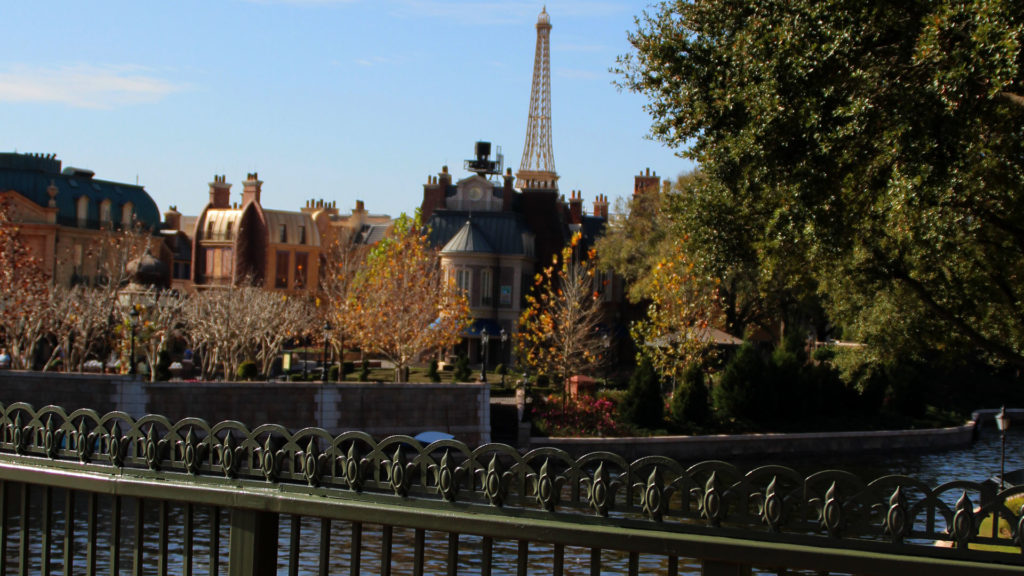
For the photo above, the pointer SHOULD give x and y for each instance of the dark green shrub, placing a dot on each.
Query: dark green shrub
(297, 377)
(247, 371)
(736, 395)
(500, 370)
(542, 381)
(333, 372)
(690, 408)
(364, 371)
(432, 372)
(644, 405)
(461, 372)
(347, 367)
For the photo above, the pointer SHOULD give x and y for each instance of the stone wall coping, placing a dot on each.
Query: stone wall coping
(739, 445)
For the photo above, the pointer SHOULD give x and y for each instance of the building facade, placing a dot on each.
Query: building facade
(66, 214)
(244, 243)
(493, 237)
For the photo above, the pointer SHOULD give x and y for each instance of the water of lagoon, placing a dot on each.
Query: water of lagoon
(975, 463)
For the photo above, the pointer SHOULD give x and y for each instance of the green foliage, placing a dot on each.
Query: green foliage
(297, 377)
(644, 404)
(736, 396)
(500, 370)
(433, 373)
(690, 405)
(364, 371)
(247, 371)
(865, 153)
(347, 367)
(333, 372)
(461, 373)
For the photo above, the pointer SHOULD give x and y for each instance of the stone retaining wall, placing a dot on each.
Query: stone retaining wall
(738, 446)
(380, 409)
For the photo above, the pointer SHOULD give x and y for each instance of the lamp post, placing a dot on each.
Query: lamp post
(1002, 422)
(305, 360)
(484, 338)
(327, 338)
(504, 358)
(133, 321)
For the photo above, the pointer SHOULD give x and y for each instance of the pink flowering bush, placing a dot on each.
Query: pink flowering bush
(581, 416)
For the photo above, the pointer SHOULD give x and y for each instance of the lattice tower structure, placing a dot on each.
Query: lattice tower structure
(537, 169)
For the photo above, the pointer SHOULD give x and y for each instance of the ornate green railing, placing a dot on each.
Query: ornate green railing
(85, 493)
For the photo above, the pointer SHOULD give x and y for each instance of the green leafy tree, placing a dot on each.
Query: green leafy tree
(644, 404)
(867, 152)
(690, 402)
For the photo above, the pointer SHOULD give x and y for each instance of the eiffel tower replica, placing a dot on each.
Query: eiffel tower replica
(537, 170)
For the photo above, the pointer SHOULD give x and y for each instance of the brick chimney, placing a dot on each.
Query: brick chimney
(172, 219)
(251, 190)
(434, 193)
(220, 192)
(601, 206)
(646, 182)
(576, 207)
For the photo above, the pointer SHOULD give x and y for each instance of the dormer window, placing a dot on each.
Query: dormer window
(228, 231)
(105, 212)
(82, 210)
(282, 235)
(209, 230)
(127, 211)
(302, 234)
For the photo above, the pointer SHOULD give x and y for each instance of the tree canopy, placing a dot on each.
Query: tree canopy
(871, 153)
(400, 304)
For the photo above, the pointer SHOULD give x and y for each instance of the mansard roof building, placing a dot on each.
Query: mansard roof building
(245, 243)
(63, 213)
(492, 238)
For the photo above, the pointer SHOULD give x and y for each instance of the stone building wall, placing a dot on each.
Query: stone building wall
(379, 409)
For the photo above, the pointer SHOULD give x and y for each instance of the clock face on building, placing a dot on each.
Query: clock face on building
(475, 193)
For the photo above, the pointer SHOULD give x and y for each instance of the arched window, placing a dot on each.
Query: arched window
(127, 214)
(105, 212)
(82, 211)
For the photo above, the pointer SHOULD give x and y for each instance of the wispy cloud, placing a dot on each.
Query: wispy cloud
(491, 12)
(588, 48)
(83, 86)
(372, 61)
(303, 2)
(579, 74)
(465, 12)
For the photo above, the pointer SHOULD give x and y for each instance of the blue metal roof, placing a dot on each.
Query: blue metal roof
(31, 175)
(502, 231)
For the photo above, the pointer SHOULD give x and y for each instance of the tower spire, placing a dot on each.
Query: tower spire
(537, 169)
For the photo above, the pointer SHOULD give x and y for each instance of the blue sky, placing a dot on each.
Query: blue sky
(340, 100)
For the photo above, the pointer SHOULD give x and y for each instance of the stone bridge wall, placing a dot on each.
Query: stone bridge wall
(380, 409)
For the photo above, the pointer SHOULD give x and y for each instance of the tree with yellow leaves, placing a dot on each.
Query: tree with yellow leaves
(558, 330)
(676, 333)
(400, 305)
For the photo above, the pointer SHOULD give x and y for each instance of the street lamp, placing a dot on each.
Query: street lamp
(483, 342)
(327, 338)
(504, 359)
(133, 321)
(1002, 422)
